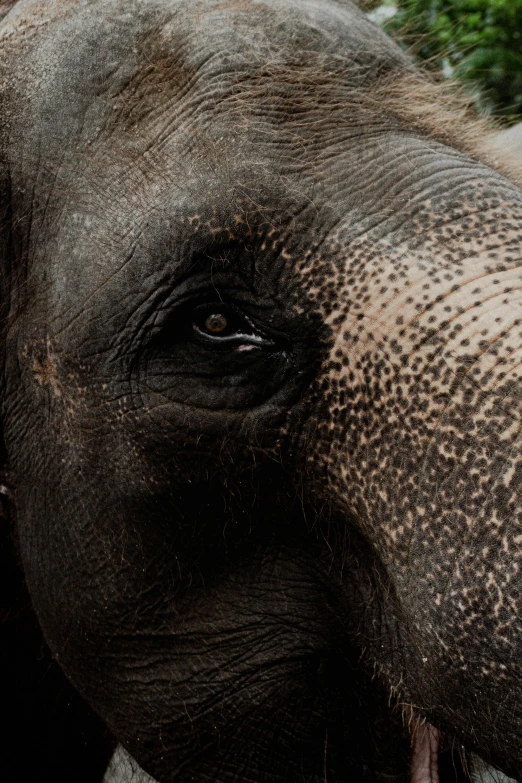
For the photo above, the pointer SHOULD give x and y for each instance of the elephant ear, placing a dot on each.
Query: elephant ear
(5, 7)
(506, 147)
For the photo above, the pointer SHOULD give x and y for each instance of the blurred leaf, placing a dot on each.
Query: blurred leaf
(480, 41)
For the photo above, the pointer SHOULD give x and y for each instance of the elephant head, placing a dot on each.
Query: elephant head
(261, 390)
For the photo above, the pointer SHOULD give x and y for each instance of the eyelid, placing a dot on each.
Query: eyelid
(254, 339)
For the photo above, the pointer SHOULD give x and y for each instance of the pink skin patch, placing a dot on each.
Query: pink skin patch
(424, 757)
(247, 347)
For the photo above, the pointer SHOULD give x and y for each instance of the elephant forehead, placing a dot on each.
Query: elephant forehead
(91, 69)
(262, 24)
(117, 94)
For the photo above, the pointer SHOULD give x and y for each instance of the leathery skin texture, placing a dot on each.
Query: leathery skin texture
(260, 396)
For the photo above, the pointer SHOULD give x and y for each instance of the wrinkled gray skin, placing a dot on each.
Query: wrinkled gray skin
(227, 527)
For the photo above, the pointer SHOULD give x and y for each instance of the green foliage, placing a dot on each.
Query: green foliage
(479, 41)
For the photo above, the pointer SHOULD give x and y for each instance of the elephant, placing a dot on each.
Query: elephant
(260, 402)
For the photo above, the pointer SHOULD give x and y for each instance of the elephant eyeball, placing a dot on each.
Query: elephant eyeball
(216, 323)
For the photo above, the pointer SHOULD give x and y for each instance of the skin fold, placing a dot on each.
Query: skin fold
(260, 395)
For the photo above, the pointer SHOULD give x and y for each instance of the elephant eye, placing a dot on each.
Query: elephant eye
(224, 325)
(216, 324)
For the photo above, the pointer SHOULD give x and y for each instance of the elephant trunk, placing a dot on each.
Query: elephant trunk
(421, 442)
